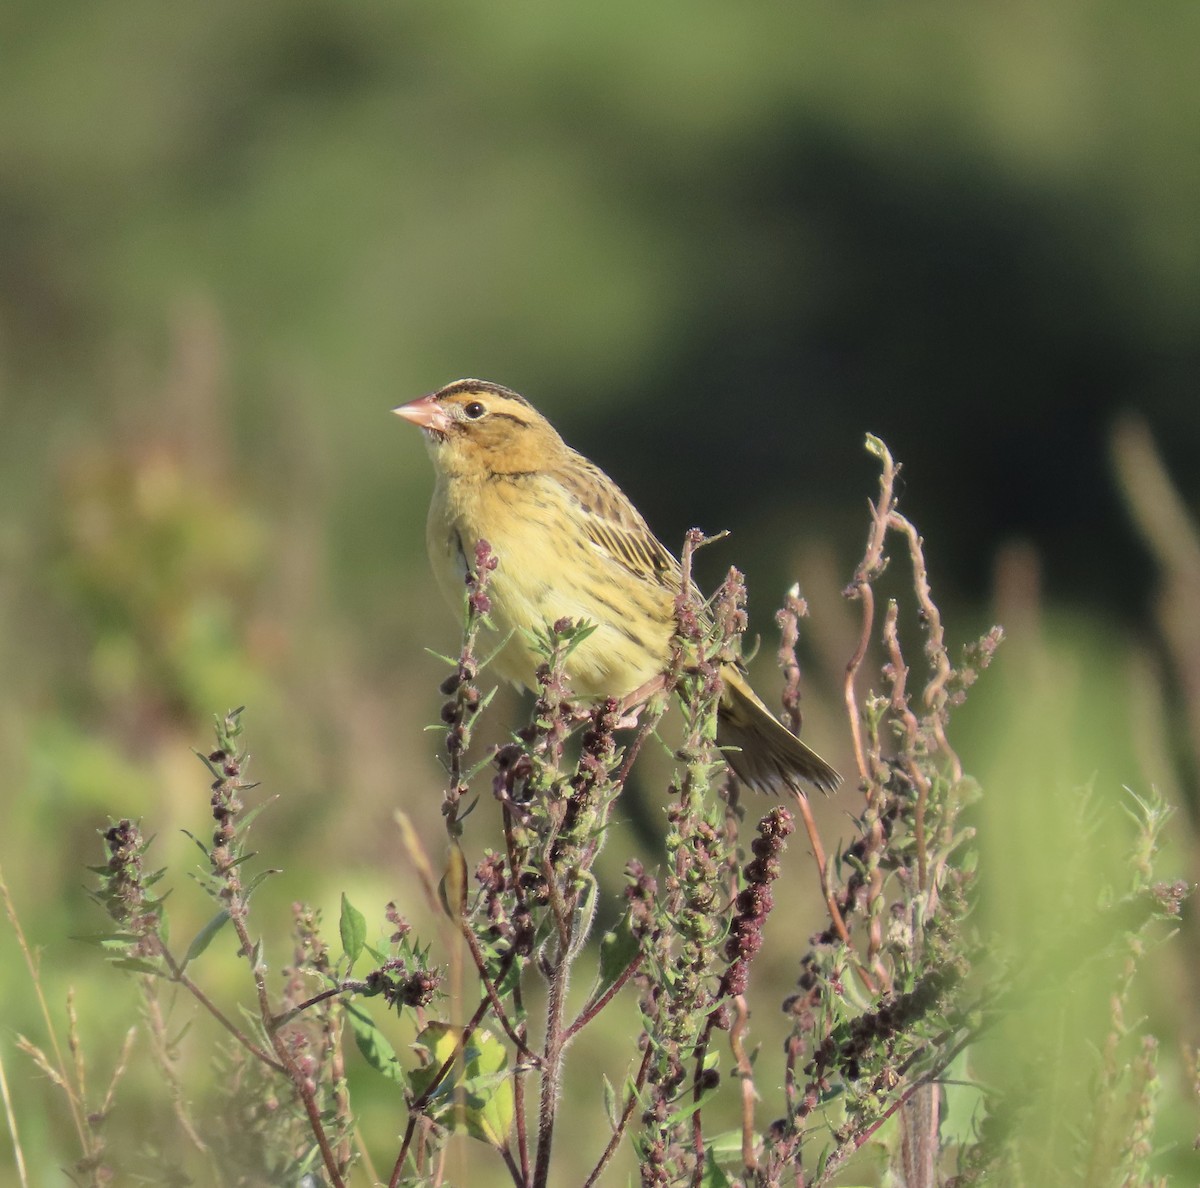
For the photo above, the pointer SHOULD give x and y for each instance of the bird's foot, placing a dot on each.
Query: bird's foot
(631, 705)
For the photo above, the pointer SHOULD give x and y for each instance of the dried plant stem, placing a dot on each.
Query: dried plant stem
(1172, 535)
(745, 1070)
(157, 1027)
(75, 1105)
(869, 568)
(934, 694)
(866, 596)
(897, 672)
(11, 1119)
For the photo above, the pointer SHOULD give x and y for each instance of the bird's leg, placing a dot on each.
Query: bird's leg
(631, 705)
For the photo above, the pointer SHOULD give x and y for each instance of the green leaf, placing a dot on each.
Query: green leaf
(452, 887)
(713, 1176)
(199, 844)
(618, 948)
(108, 940)
(205, 936)
(136, 965)
(247, 818)
(692, 1106)
(372, 1043)
(965, 1105)
(259, 879)
(583, 629)
(492, 655)
(353, 928)
(216, 774)
(477, 1093)
(875, 446)
(612, 1107)
(726, 1145)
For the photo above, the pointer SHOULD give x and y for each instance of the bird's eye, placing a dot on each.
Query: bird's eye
(474, 410)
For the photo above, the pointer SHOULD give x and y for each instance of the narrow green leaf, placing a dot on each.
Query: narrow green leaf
(612, 1107)
(108, 940)
(509, 983)
(219, 775)
(247, 818)
(136, 965)
(692, 1106)
(258, 879)
(199, 844)
(452, 887)
(205, 936)
(493, 654)
(353, 928)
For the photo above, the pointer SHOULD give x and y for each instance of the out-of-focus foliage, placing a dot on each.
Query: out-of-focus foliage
(716, 245)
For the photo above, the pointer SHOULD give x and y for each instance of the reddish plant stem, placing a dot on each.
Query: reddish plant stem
(180, 977)
(415, 1109)
(814, 840)
(552, 1053)
(493, 996)
(304, 1090)
(631, 1103)
(593, 1009)
(519, 1116)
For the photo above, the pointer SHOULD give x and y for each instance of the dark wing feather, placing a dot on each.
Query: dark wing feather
(614, 525)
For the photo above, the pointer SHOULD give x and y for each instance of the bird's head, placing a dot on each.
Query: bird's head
(475, 427)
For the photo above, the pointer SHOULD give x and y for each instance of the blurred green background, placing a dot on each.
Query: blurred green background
(716, 245)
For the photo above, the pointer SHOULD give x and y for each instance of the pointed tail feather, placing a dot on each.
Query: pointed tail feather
(763, 752)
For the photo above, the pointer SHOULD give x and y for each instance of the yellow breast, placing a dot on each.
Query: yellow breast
(549, 570)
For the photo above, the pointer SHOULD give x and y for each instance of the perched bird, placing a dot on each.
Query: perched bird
(571, 545)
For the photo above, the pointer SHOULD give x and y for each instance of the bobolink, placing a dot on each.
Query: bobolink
(571, 545)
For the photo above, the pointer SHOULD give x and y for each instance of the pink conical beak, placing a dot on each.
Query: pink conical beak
(426, 413)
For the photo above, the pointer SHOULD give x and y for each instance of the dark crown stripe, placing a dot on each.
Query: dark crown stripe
(477, 385)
